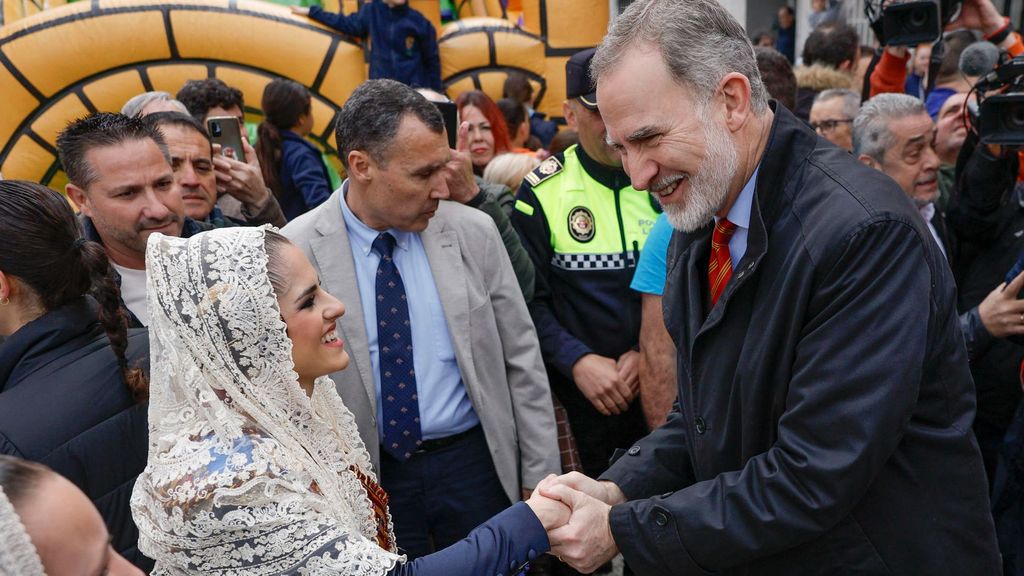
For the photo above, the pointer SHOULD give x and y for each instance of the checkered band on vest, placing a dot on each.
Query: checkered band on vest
(617, 261)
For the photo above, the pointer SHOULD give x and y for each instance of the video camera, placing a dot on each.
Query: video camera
(911, 23)
(998, 116)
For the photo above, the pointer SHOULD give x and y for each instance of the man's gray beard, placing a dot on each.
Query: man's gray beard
(709, 185)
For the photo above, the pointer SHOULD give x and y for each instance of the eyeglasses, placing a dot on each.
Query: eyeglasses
(829, 125)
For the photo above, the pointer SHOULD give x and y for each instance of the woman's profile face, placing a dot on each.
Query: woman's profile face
(69, 533)
(310, 314)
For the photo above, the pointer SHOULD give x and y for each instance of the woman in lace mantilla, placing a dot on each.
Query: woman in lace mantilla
(255, 465)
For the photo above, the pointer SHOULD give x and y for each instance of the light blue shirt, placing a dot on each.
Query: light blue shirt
(649, 277)
(445, 408)
(739, 215)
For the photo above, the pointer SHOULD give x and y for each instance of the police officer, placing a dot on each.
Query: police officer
(584, 225)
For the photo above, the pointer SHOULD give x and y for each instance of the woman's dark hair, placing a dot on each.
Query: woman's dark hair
(19, 478)
(514, 113)
(44, 249)
(273, 242)
(284, 102)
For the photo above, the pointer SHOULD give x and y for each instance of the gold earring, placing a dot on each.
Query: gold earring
(5, 301)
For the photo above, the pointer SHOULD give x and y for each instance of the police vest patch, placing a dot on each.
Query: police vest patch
(547, 169)
(581, 224)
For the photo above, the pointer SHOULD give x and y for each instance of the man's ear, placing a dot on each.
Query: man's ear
(360, 166)
(847, 66)
(570, 115)
(869, 161)
(735, 89)
(80, 198)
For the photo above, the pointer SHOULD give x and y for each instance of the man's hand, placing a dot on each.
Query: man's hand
(598, 378)
(586, 542)
(300, 10)
(1001, 312)
(607, 492)
(628, 366)
(551, 513)
(459, 170)
(979, 15)
(243, 180)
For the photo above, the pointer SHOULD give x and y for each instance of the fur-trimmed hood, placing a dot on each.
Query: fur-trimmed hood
(819, 77)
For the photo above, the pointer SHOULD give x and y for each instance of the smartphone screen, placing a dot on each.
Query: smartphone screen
(226, 131)
(450, 113)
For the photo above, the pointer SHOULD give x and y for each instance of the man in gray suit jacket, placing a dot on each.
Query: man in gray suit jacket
(447, 383)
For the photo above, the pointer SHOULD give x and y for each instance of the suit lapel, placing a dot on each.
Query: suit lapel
(441, 244)
(332, 255)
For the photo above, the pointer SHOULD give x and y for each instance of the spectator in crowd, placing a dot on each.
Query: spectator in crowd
(239, 195)
(830, 58)
(778, 76)
(518, 127)
(509, 169)
(402, 42)
(72, 389)
(49, 526)
(150, 102)
(657, 351)
(488, 134)
(894, 134)
(950, 134)
(584, 225)
(292, 166)
(949, 80)
(563, 140)
(120, 177)
(825, 12)
(275, 478)
(917, 80)
(495, 200)
(485, 431)
(517, 87)
(860, 82)
(764, 39)
(192, 160)
(832, 116)
(825, 396)
(785, 32)
(211, 97)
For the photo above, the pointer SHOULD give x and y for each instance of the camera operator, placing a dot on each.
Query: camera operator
(981, 16)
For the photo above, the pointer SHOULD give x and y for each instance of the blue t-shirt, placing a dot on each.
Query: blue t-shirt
(649, 277)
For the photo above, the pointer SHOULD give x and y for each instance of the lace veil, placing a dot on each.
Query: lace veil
(246, 474)
(17, 554)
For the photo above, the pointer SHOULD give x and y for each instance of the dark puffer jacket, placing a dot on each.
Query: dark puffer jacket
(63, 403)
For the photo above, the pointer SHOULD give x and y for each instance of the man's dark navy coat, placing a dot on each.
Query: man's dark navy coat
(825, 403)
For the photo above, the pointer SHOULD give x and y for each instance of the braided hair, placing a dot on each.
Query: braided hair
(45, 250)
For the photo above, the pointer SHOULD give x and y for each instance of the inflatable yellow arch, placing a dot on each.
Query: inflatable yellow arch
(92, 56)
(66, 61)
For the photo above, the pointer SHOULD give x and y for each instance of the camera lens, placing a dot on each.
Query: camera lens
(1013, 117)
(918, 18)
(215, 129)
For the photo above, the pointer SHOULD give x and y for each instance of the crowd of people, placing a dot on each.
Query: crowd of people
(733, 317)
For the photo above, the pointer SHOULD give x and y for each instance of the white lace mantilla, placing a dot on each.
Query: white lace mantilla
(18, 557)
(246, 474)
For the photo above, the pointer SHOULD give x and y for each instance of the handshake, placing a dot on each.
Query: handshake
(574, 511)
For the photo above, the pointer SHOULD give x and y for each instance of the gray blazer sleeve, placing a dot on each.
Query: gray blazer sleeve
(532, 406)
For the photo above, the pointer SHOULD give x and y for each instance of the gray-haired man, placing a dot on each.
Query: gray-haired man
(825, 401)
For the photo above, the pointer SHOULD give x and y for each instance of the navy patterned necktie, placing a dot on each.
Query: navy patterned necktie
(401, 408)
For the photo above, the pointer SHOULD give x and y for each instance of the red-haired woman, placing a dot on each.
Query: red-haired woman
(488, 133)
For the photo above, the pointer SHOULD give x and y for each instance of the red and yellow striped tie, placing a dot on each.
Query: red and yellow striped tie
(720, 263)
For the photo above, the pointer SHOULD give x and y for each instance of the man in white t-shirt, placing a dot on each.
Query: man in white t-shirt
(120, 177)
